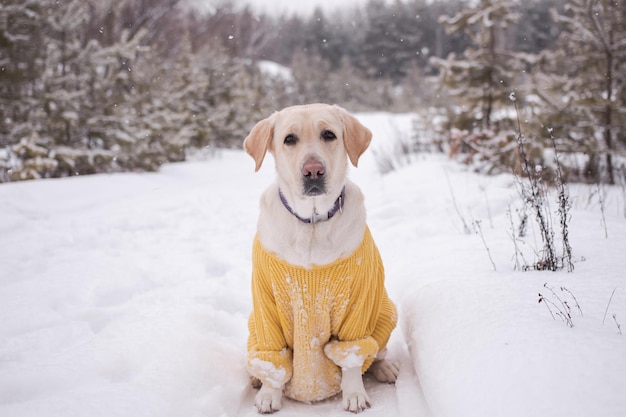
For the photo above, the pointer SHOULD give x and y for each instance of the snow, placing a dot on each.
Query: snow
(128, 294)
(276, 70)
(351, 358)
(273, 376)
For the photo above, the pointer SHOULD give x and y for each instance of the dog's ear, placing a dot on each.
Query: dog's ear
(259, 140)
(356, 137)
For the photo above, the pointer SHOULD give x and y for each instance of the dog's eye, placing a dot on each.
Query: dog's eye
(290, 139)
(327, 135)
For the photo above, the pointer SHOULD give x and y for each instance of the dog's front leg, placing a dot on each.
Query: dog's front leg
(355, 398)
(269, 399)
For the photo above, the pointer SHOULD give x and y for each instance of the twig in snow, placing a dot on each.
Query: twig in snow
(609, 303)
(562, 309)
(523, 224)
(623, 185)
(601, 200)
(466, 228)
(564, 207)
(574, 298)
(566, 308)
(516, 266)
(559, 312)
(534, 196)
(547, 303)
(619, 328)
(480, 231)
(484, 190)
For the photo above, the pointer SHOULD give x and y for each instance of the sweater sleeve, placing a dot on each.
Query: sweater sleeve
(269, 358)
(355, 343)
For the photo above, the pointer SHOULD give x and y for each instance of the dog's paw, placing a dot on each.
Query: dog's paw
(354, 397)
(255, 382)
(356, 402)
(268, 400)
(385, 371)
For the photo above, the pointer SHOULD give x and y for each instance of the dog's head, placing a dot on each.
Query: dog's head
(311, 145)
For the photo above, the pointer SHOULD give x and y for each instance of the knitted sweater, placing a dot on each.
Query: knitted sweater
(308, 323)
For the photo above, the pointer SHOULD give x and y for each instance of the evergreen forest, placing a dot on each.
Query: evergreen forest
(97, 86)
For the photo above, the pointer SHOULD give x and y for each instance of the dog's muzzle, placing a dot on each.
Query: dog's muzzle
(313, 177)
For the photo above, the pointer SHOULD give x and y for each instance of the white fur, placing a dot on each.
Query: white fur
(311, 244)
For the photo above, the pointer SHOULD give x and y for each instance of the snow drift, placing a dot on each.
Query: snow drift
(128, 294)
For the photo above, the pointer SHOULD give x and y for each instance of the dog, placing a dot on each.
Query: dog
(321, 315)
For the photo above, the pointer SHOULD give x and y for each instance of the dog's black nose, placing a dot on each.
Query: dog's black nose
(313, 169)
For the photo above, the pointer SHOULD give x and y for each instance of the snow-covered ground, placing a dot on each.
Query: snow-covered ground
(128, 294)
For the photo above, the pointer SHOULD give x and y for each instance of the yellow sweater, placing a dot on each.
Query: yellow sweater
(308, 323)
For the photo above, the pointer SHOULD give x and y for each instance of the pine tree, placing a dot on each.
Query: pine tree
(22, 56)
(480, 83)
(324, 39)
(387, 49)
(485, 75)
(535, 30)
(583, 83)
(103, 101)
(49, 125)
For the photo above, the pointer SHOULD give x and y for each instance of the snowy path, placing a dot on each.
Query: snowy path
(128, 295)
(130, 292)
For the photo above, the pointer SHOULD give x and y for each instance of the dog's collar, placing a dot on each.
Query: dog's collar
(316, 217)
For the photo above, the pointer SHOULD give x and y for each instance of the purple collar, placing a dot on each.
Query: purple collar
(315, 217)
